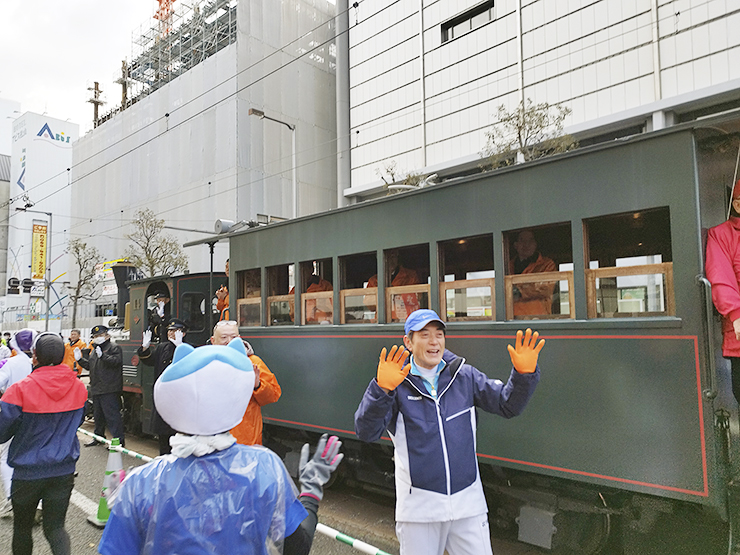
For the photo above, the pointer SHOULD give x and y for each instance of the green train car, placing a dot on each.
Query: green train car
(630, 437)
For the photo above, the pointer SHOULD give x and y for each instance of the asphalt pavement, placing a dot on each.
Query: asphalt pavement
(358, 514)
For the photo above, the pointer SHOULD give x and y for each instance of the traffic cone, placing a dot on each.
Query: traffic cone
(114, 475)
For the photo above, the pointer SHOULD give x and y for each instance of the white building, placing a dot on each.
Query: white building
(39, 217)
(427, 76)
(190, 144)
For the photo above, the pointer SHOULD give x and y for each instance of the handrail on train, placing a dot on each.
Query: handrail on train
(711, 391)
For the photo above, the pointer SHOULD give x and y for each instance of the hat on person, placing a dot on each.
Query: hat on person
(176, 324)
(97, 330)
(420, 318)
(205, 391)
(23, 339)
(161, 295)
(49, 349)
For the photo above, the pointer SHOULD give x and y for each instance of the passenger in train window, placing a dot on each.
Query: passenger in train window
(531, 299)
(266, 387)
(222, 294)
(723, 272)
(399, 275)
(439, 495)
(318, 310)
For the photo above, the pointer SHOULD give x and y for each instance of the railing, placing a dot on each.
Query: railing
(245, 311)
(318, 308)
(489, 309)
(592, 297)
(271, 301)
(539, 278)
(402, 300)
(368, 305)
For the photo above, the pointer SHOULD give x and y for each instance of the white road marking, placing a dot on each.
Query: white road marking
(87, 506)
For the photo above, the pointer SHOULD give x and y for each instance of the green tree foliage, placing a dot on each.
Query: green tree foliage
(151, 250)
(85, 260)
(528, 132)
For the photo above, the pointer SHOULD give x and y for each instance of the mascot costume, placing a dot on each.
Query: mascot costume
(213, 495)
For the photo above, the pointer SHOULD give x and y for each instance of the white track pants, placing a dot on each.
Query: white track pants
(467, 536)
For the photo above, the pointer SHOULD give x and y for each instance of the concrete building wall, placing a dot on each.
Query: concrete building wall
(191, 152)
(609, 61)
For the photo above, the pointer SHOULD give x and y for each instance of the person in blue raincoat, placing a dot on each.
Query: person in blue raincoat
(213, 495)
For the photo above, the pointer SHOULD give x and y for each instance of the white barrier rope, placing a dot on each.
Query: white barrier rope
(123, 450)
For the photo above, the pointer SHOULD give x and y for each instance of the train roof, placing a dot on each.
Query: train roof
(709, 123)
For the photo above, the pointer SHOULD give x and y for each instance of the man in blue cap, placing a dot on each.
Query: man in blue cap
(428, 407)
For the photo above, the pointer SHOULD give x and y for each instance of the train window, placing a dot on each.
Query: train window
(539, 273)
(280, 283)
(406, 281)
(249, 302)
(630, 269)
(317, 297)
(466, 288)
(192, 311)
(358, 301)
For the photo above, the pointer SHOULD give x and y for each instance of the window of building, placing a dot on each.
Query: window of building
(280, 284)
(467, 21)
(466, 288)
(630, 269)
(358, 300)
(249, 301)
(193, 311)
(108, 309)
(317, 292)
(539, 273)
(406, 281)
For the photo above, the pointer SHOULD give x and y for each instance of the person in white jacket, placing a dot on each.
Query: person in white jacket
(14, 370)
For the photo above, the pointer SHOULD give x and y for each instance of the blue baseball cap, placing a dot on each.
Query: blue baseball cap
(420, 318)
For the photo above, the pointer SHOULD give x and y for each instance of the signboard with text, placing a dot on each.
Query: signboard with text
(38, 252)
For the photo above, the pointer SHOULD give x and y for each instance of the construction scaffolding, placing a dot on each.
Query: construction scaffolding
(188, 35)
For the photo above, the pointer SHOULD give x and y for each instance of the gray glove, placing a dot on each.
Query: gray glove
(315, 473)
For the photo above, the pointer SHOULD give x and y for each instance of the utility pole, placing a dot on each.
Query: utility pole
(95, 101)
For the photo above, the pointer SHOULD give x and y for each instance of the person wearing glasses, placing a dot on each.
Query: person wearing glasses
(266, 387)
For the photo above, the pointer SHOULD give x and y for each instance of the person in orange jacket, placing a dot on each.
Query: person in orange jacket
(266, 387)
(406, 303)
(69, 350)
(531, 299)
(317, 310)
(222, 294)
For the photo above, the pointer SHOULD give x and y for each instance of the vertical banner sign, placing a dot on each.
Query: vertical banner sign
(38, 254)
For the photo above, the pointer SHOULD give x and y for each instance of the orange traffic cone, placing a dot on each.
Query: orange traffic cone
(114, 475)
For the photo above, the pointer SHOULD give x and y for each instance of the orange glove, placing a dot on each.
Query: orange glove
(391, 369)
(524, 356)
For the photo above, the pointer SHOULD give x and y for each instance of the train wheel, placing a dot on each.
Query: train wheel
(582, 533)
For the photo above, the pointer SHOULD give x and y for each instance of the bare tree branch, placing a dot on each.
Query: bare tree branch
(85, 259)
(152, 251)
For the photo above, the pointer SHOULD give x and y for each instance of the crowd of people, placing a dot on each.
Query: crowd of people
(207, 416)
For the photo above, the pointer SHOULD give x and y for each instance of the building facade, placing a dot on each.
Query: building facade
(427, 76)
(230, 114)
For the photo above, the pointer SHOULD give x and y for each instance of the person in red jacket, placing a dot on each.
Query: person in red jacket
(41, 413)
(723, 272)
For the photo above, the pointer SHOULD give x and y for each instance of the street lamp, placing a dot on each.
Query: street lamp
(48, 260)
(260, 114)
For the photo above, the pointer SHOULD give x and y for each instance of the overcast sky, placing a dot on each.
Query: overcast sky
(51, 51)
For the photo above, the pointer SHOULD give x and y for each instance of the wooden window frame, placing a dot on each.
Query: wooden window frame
(400, 290)
(245, 301)
(278, 299)
(362, 291)
(445, 286)
(664, 268)
(535, 277)
(315, 295)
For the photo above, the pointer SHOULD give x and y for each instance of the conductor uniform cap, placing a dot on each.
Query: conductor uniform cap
(98, 330)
